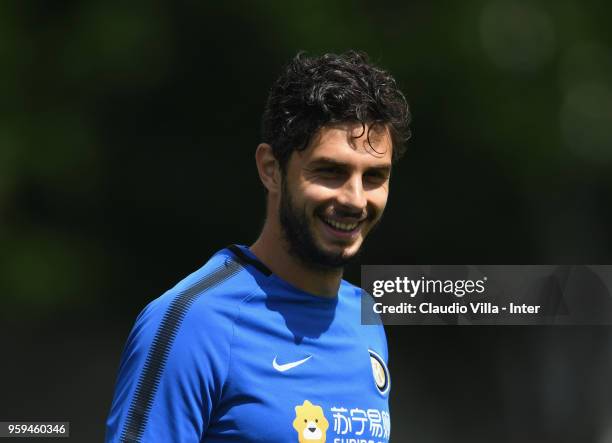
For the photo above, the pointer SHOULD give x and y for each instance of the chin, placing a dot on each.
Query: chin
(341, 254)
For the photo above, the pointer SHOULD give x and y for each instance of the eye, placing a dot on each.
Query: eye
(316, 420)
(305, 421)
(375, 177)
(329, 170)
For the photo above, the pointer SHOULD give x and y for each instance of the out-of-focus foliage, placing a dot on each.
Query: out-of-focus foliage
(128, 129)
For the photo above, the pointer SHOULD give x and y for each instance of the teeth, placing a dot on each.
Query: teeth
(342, 226)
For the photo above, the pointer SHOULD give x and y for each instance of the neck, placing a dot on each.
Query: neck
(271, 249)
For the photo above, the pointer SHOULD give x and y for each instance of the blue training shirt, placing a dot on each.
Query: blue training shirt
(233, 353)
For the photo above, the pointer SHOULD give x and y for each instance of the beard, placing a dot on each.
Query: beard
(300, 237)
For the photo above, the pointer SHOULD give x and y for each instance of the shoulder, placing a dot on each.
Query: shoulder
(371, 323)
(192, 321)
(222, 280)
(178, 352)
(350, 290)
(357, 297)
(208, 298)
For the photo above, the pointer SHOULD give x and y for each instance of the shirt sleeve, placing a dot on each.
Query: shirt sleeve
(172, 372)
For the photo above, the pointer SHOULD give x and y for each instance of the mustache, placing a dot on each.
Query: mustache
(357, 216)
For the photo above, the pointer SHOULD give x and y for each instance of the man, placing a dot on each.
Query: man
(264, 343)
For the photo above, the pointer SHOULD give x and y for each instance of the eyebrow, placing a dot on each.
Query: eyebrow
(327, 161)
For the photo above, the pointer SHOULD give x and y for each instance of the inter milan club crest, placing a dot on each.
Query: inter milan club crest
(380, 372)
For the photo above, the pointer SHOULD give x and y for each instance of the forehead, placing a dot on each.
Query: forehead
(352, 144)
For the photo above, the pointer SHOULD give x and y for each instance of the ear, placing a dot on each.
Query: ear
(268, 168)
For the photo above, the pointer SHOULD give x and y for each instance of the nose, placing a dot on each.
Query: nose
(352, 195)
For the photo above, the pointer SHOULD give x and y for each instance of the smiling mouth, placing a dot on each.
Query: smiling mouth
(343, 227)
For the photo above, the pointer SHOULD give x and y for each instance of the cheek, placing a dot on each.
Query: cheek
(314, 195)
(378, 199)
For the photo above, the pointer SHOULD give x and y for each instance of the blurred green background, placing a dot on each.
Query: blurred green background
(127, 135)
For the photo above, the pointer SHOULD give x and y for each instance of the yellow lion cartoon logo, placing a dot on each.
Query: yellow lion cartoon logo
(310, 423)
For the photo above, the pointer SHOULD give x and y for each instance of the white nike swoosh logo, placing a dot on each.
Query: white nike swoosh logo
(287, 366)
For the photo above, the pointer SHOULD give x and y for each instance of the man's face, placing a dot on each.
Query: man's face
(333, 194)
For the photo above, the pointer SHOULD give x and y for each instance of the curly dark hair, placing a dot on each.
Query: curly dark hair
(313, 92)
